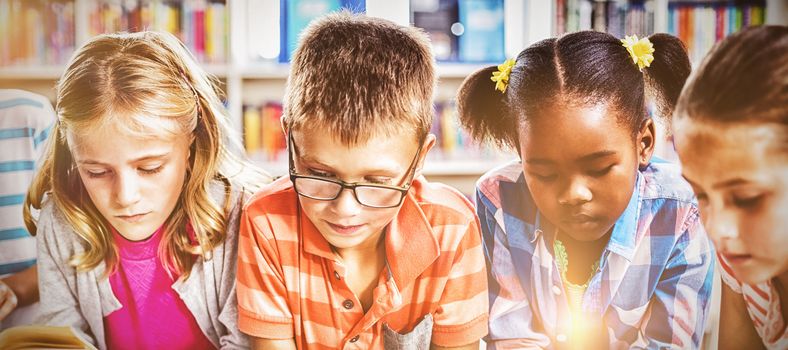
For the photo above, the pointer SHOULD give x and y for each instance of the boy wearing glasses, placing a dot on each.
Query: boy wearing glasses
(355, 249)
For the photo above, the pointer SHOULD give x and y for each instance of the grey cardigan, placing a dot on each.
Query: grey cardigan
(82, 299)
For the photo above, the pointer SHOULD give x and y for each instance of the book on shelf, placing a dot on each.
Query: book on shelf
(265, 141)
(295, 15)
(616, 17)
(202, 25)
(36, 32)
(436, 18)
(263, 136)
(462, 30)
(702, 24)
(482, 37)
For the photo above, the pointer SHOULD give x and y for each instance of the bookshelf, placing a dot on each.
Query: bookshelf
(247, 64)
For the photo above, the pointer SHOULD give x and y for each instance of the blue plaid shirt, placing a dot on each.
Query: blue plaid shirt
(653, 284)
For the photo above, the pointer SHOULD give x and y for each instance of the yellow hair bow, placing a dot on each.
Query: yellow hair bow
(501, 77)
(640, 50)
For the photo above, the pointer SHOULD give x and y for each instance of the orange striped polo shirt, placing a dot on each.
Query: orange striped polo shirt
(291, 285)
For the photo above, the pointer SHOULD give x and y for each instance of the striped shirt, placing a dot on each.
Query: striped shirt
(651, 289)
(25, 122)
(763, 305)
(291, 283)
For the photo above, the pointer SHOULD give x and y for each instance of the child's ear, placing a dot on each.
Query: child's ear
(645, 143)
(429, 142)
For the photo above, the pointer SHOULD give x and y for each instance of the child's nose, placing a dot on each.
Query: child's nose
(127, 190)
(576, 193)
(723, 224)
(346, 204)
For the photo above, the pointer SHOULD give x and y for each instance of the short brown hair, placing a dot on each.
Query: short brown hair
(356, 76)
(744, 79)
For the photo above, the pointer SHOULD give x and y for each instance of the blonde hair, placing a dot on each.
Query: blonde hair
(357, 76)
(111, 80)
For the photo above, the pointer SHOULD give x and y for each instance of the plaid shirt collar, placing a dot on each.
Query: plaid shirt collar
(518, 204)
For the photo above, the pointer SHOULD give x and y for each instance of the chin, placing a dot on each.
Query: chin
(589, 235)
(754, 275)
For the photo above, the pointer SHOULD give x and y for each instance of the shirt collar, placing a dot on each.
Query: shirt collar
(411, 245)
(517, 202)
(624, 237)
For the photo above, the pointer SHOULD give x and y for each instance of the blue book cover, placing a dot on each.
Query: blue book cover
(296, 15)
(482, 39)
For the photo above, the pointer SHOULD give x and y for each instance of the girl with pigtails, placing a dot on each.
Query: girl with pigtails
(589, 242)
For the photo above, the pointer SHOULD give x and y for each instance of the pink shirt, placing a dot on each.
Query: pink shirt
(153, 316)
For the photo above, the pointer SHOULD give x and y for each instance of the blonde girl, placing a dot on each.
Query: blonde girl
(139, 197)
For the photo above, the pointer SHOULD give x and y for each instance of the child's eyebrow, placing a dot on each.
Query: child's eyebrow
(730, 183)
(596, 155)
(583, 159)
(140, 159)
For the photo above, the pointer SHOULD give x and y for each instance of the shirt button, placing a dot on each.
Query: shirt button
(347, 304)
(354, 339)
(556, 290)
(336, 275)
(561, 337)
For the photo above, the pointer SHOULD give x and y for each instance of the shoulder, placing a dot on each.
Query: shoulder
(275, 205)
(667, 200)
(662, 180)
(442, 204)
(26, 106)
(55, 232)
(488, 187)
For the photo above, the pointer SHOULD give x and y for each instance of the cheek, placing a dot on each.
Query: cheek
(97, 189)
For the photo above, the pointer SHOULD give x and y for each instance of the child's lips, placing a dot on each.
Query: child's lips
(737, 259)
(344, 229)
(132, 218)
(581, 220)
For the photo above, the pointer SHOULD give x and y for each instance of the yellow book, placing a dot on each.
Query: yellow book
(210, 50)
(252, 130)
(42, 337)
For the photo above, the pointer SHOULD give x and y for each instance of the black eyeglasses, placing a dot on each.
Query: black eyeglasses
(370, 195)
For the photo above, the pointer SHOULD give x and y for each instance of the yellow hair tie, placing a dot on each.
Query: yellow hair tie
(640, 50)
(501, 77)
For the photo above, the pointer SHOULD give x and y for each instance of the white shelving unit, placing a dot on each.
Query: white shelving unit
(248, 81)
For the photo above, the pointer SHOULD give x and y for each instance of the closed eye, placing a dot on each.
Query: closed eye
(379, 180)
(318, 173)
(601, 172)
(748, 202)
(96, 174)
(151, 171)
(545, 178)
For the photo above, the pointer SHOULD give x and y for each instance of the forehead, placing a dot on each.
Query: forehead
(391, 152)
(711, 151)
(568, 132)
(116, 141)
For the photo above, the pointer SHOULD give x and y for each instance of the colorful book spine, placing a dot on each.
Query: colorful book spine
(200, 24)
(702, 24)
(616, 17)
(36, 32)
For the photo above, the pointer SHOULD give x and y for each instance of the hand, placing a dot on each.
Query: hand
(8, 300)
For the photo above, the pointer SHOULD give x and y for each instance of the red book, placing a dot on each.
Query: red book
(719, 23)
(199, 33)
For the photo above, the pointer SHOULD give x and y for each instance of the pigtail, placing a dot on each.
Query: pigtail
(666, 75)
(483, 112)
